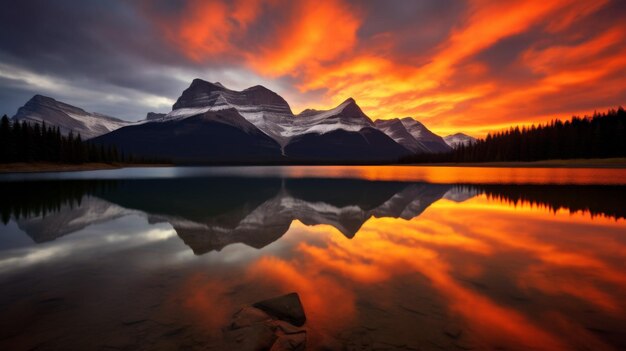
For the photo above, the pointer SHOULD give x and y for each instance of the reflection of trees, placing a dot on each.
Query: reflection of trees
(210, 213)
(31, 199)
(609, 201)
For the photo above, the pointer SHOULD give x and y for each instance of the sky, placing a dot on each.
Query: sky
(469, 66)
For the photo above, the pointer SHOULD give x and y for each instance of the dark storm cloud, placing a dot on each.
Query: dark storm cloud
(12, 93)
(97, 45)
(104, 56)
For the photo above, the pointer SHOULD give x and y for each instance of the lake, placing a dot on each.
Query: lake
(382, 258)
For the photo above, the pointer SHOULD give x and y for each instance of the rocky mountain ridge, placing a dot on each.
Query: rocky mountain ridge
(211, 123)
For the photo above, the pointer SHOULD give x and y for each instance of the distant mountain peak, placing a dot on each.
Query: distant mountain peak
(410, 121)
(352, 110)
(458, 134)
(198, 83)
(39, 97)
(257, 87)
(428, 141)
(307, 111)
(68, 118)
(396, 130)
(150, 116)
(457, 139)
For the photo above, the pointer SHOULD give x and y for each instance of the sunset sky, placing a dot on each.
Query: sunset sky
(470, 66)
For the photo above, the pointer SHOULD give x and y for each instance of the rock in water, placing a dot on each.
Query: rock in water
(274, 325)
(287, 308)
(290, 342)
(257, 337)
(247, 317)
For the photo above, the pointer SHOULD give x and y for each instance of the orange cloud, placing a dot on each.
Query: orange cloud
(311, 32)
(388, 88)
(489, 22)
(207, 28)
(574, 11)
(317, 31)
(567, 66)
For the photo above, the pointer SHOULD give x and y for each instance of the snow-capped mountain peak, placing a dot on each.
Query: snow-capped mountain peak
(262, 107)
(267, 110)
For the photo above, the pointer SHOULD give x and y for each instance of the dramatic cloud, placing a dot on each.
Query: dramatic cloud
(474, 65)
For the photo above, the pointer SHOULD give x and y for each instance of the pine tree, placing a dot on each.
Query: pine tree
(599, 136)
(5, 145)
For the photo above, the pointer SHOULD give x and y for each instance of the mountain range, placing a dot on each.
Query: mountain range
(210, 123)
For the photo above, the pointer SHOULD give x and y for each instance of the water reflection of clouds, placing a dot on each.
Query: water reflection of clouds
(541, 260)
(513, 274)
(116, 235)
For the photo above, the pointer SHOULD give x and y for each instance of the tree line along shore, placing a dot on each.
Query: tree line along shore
(590, 141)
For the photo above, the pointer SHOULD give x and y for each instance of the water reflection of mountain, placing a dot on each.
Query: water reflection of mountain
(211, 213)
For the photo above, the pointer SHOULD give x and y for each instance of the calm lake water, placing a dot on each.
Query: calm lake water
(383, 258)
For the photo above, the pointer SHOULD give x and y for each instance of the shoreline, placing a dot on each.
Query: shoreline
(24, 167)
(571, 163)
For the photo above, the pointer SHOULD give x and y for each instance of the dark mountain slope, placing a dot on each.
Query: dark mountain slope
(366, 145)
(212, 137)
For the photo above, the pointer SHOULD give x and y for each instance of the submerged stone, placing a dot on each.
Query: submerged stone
(287, 308)
(274, 324)
(257, 337)
(290, 342)
(248, 316)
